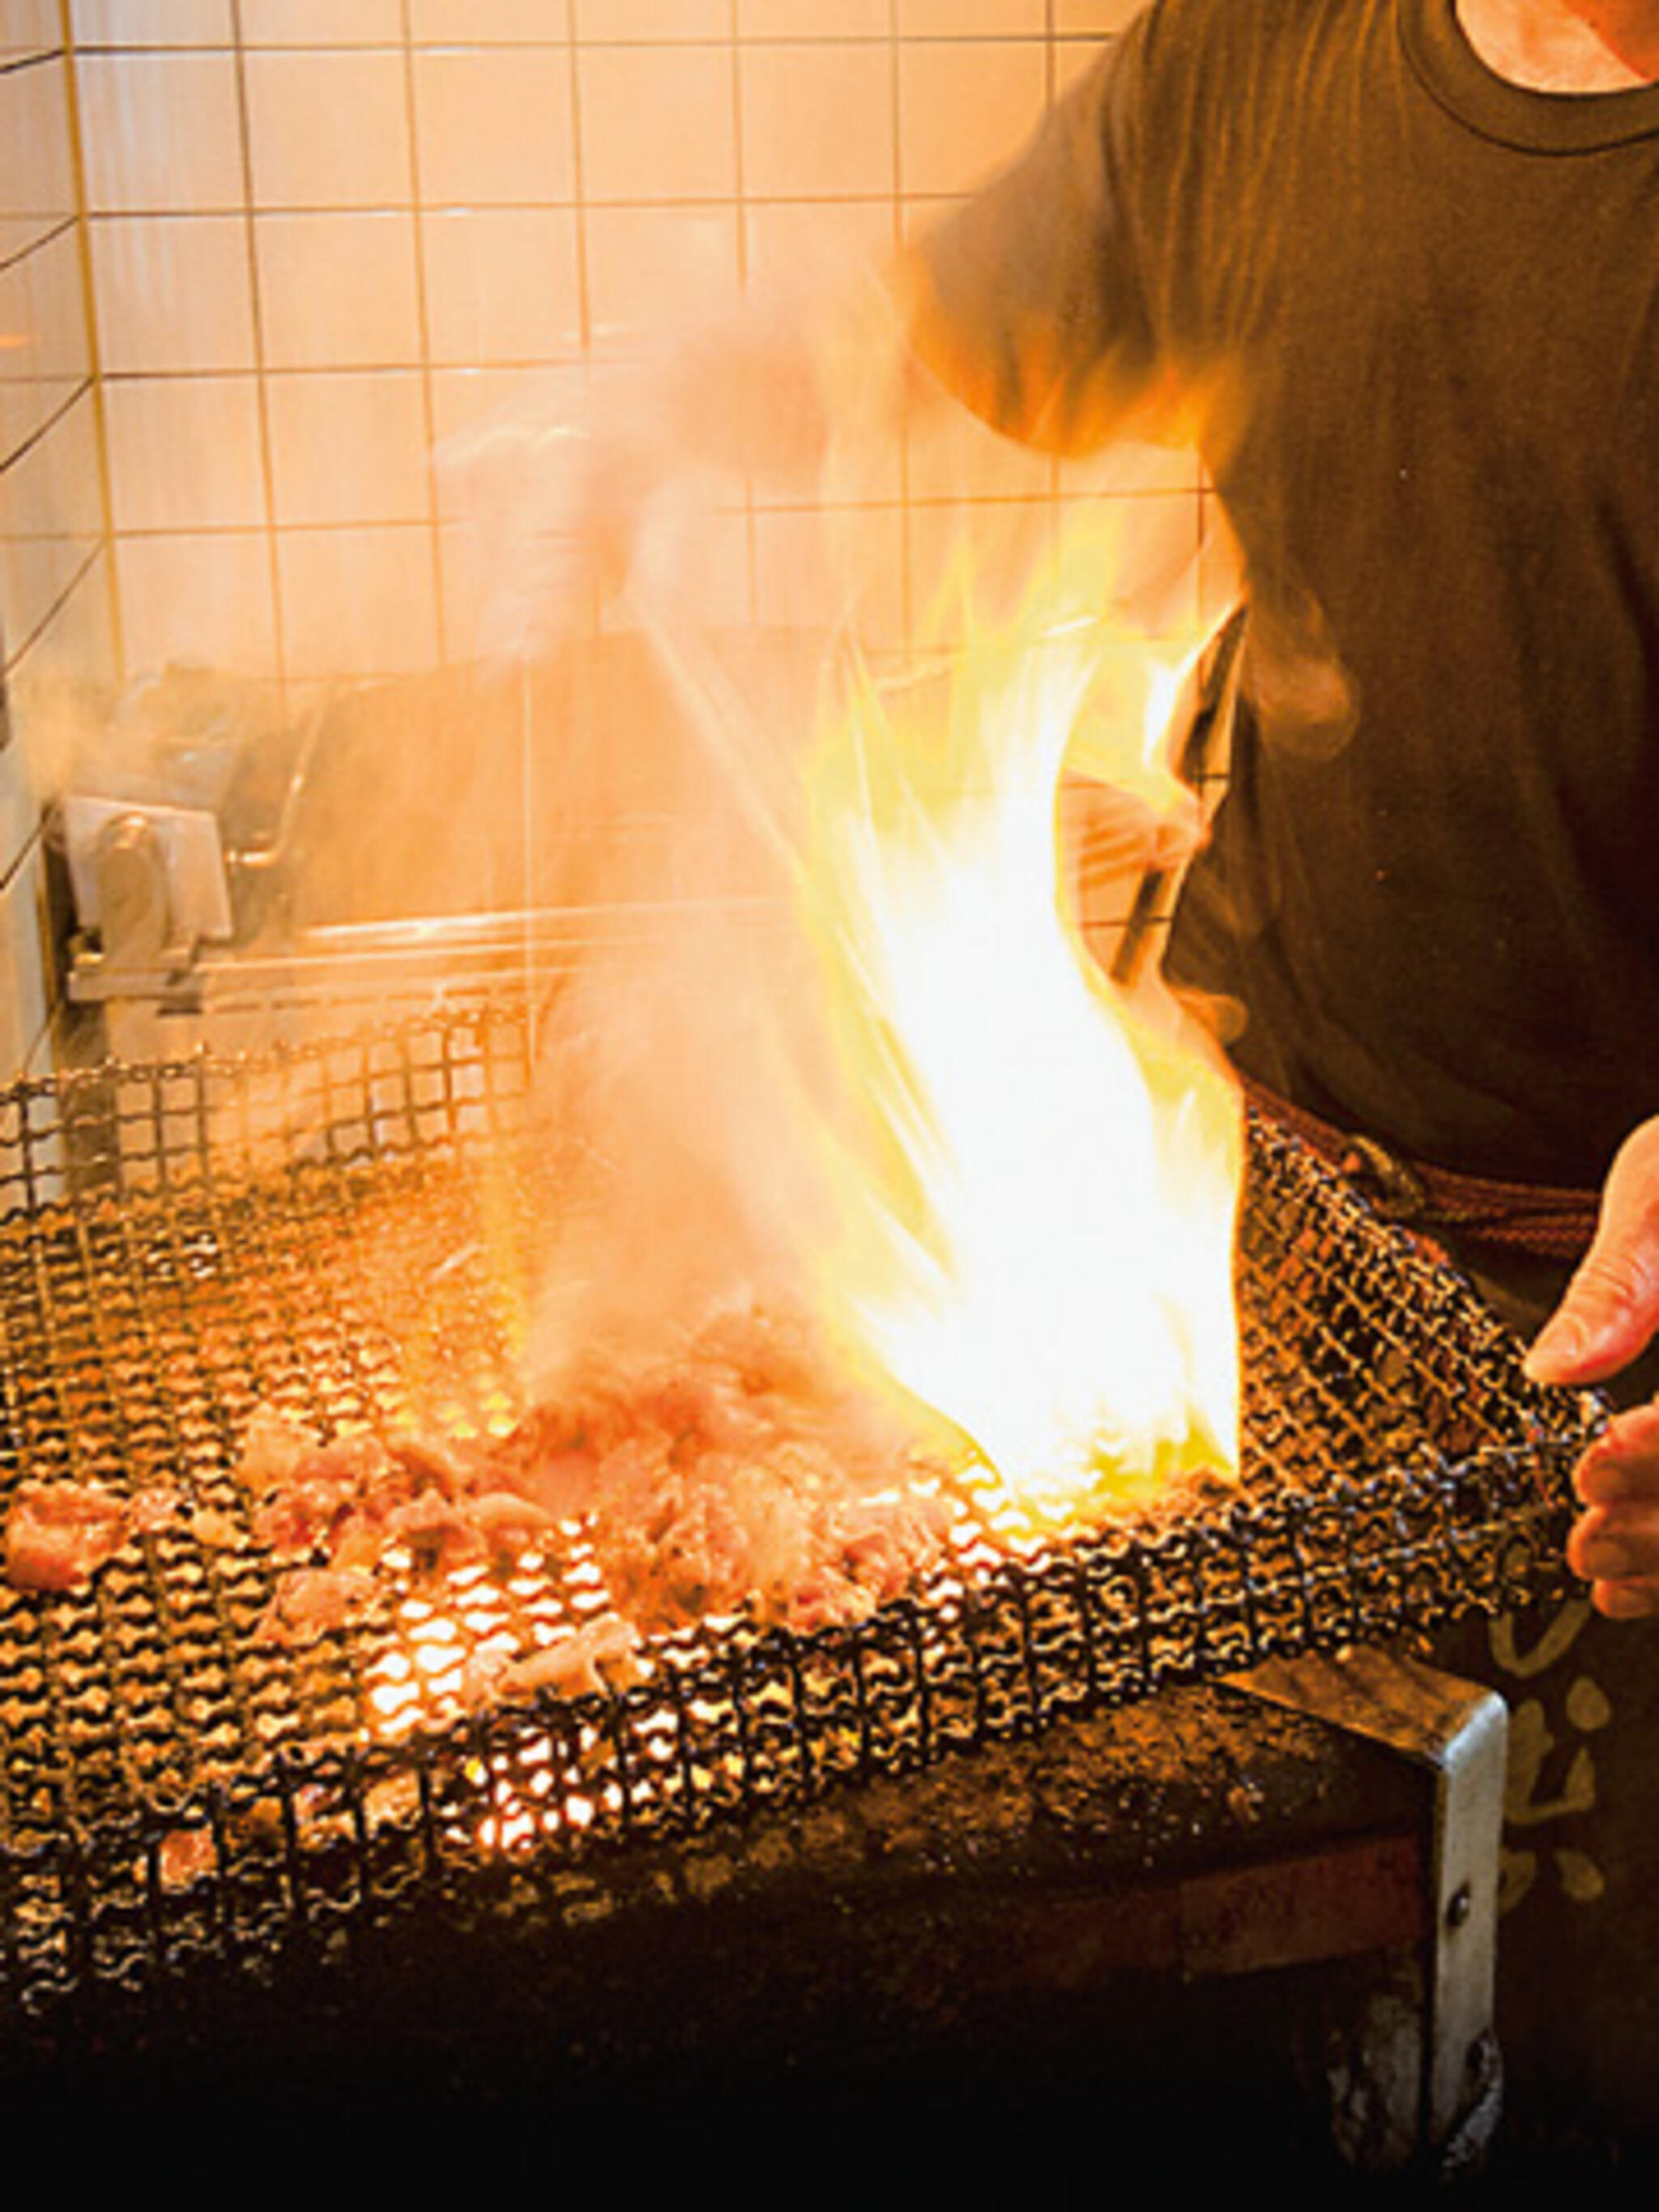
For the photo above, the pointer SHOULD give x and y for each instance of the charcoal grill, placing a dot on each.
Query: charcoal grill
(191, 1817)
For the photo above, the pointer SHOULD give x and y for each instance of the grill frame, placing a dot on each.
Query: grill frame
(139, 1855)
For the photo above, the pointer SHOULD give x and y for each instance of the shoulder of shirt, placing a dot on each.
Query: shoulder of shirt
(1183, 71)
(1206, 35)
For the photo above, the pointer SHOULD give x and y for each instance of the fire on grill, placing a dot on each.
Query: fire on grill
(369, 1537)
(187, 1796)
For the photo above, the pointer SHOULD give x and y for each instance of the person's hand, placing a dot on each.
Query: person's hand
(1608, 1317)
(556, 501)
(543, 502)
(1113, 834)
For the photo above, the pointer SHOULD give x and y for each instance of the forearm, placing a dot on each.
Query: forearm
(766, 386)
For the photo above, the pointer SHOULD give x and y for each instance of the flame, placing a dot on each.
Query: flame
(1039, 1191)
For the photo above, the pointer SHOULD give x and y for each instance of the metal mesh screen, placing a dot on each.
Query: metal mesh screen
(339, 1231)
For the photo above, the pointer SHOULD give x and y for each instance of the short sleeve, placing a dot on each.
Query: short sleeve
(1028, 303)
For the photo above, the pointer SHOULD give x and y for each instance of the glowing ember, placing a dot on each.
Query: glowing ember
(1039, 1205)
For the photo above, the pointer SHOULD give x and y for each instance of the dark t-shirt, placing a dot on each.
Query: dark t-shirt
(1410, 315)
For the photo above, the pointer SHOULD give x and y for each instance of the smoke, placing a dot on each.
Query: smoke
(680, 1057)
(625, 761)
(682, 1061)
(693, 1058)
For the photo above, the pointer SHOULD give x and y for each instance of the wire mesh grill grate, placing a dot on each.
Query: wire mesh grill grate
(338, 1231)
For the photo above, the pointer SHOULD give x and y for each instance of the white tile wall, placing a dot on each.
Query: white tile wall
(28, 28)
(968, 18)
(649, 22)
(798, 101)
(658, 123)
(651, 266)
(357, 597)
(142, 266)
(1001, 82)
(495, 126)
(327, 129)
(159, 130)
(200, 598)
(43, 362)
(55, 601)
(347, 444)
(22, 970)
(152, 22)
(339, 289)
(814, 18)
(502, 284)
(483, 22)
(37, 177)
(183, 452)
(317, 234)
(319, 23)
(322, 231)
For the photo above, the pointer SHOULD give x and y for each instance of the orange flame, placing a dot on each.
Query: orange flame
(1039, 1191)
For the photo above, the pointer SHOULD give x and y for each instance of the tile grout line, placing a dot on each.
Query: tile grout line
(262, 400)
(423, 334)
(89, 310)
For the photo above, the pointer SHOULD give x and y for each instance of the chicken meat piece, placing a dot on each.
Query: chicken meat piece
(59, 1534)
(310, 1601)
(579, 1662)
(739, 1469)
